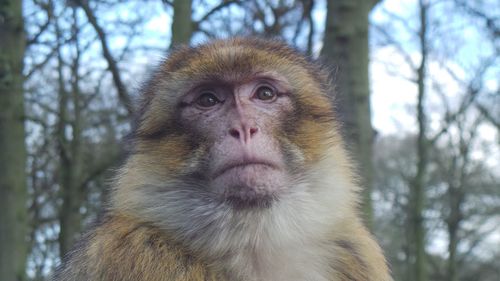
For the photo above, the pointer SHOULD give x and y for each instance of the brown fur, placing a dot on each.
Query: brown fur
(133, 243)
(123, 248)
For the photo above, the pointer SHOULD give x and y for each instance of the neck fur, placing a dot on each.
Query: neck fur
(286, 241)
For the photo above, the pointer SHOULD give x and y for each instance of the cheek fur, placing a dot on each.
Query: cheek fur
(310, 131)
(313, 138)
(172, 155)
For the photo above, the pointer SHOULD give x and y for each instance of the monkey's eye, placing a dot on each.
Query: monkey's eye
(207, 99)
(265, 93)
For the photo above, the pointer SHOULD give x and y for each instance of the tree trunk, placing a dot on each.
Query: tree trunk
(417, 193)
(13, 214)
(456, 196)
(346, 46)
(182, 25)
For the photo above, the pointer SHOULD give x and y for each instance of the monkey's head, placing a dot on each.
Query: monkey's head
(231, 126)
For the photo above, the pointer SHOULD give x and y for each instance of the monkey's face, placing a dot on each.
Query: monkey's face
(241, 124)
(235, 120)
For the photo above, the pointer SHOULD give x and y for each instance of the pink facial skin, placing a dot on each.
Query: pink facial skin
(241, 123)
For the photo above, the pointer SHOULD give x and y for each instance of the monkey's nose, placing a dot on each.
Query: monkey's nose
(243, 133)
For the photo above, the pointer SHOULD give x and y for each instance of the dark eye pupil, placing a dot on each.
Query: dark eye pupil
(265, 93)
(207, 100)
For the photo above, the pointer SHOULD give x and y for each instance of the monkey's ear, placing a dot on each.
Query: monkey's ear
(327, 72)
(158, 79)
(143, 102)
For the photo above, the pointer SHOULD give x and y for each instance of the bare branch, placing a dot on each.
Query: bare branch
(112, 64)
(168, 2)
(490, 22)
(488, 115)
(217, 8)
(393, 42)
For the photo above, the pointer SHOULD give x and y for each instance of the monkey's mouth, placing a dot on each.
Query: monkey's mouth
(250, 183)
(244, 164)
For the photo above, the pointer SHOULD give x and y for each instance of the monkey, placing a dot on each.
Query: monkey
(237, 171)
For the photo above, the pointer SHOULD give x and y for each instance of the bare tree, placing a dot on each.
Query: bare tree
(429, 36)
(13, 197)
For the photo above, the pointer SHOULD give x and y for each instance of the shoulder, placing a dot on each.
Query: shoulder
(358, 256)
(123, 248)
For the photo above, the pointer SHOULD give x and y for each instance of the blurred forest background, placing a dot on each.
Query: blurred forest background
(417, 82)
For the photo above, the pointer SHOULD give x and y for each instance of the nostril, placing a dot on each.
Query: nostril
(234, 133)
(253, 131)
(243, 134)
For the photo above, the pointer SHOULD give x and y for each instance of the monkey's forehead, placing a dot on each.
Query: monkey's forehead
(239, 58)
(233, 52)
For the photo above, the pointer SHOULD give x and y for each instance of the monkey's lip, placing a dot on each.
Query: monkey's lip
(243, 163)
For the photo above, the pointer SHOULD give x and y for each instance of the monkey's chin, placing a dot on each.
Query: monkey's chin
(251, 186)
